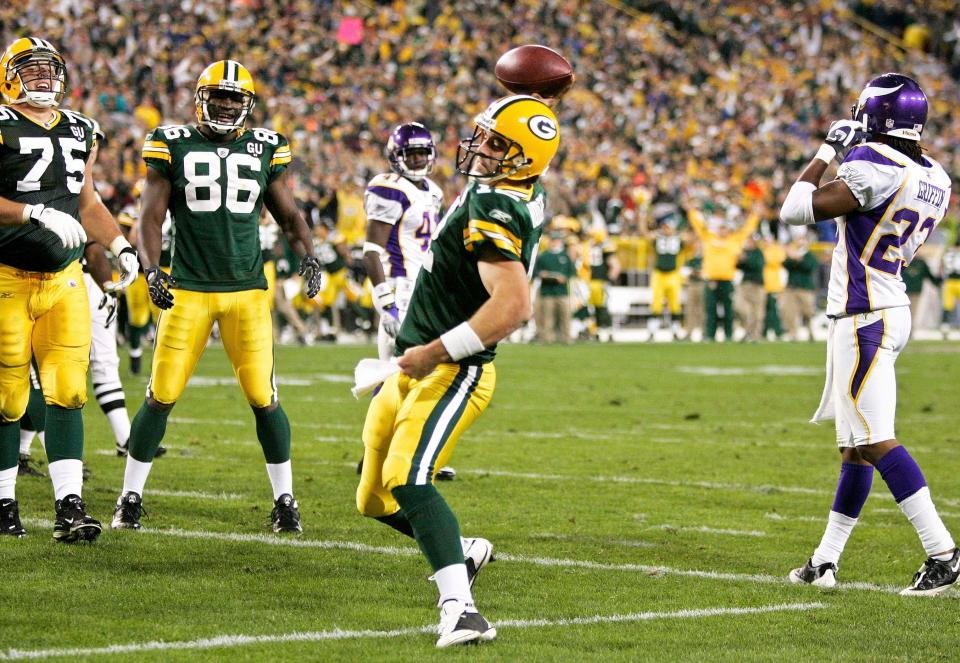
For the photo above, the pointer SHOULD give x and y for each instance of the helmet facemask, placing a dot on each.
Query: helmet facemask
(501, 157)
(422, 156)
(42, 75)
(223, 110)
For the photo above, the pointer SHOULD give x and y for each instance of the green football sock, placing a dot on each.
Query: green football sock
(137, 333)
(399, 522)
(64, 439)
(273, 431)
(9, 444)
(434, 525)
(146, 432)
(35, 418)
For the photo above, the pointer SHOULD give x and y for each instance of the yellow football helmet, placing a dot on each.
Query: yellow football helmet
(528, 134)
(27, 63)
(226, 80)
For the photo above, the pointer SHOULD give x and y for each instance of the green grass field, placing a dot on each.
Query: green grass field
(646, 503)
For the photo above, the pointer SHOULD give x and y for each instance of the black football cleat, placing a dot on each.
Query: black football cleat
(27, 468)
(128, 512)
(286, 515)
(460, 625)
(824, 576)
(935, 576)
(10, 519)
(72, 523)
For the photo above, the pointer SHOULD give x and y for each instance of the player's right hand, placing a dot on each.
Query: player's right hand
(64, 226)
(844, 135)
(391, 321)
(159, 284)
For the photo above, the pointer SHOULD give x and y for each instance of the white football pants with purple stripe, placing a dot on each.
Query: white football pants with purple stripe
(402, 291)
(861, 386)
(105, 364)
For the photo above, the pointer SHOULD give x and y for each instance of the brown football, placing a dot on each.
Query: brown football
(534, 69)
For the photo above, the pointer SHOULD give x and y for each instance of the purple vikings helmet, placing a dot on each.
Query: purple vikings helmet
(892, 104)
(405, 140)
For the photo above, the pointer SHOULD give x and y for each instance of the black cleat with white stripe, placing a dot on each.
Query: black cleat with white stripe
(72, 523)
(935, 576)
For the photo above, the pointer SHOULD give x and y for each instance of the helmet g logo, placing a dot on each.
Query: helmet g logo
(542, 127)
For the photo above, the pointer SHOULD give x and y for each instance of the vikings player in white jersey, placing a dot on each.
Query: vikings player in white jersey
(402, 210)
(887, 197)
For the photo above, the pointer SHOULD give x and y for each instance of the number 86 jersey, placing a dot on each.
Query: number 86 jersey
(215, 201)
(42, 165)
(901, 202)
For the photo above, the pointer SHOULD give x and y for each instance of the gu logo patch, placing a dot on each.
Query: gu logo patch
(256, 149)
(78, 131)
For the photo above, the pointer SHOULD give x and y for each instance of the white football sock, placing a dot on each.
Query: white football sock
(26, 439)
(120, 423)
(922, 514)
(8, 483)
(453, 584)
(67, 477)
(839, 528)
(135, 475)
(281, 478)
(42, 436)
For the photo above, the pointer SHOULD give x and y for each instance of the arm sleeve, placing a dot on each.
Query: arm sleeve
(494, 219)
(280, 159)
(156, 153)
(384, 203)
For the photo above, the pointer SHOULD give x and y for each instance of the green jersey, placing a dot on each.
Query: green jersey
(667, 248)
(215, 201)
(600, 260)
(800, 273)
(551, 264)
(326, 250)
(41, 165)
(449, 290)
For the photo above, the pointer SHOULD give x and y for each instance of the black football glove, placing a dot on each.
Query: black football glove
(311, 272)
(109, 302)
(159, 284)
(843, 136)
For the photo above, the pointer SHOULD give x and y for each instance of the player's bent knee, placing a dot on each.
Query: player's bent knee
(371, 504)
(157, 406)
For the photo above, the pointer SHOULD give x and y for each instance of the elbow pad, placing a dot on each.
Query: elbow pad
(797, 209)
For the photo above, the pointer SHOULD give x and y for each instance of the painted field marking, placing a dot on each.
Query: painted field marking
(703, 529)
(223, 641)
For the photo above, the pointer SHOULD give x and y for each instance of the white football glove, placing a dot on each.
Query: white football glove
(127, 262)
(383, 301)
(843, 136)
(64, 226)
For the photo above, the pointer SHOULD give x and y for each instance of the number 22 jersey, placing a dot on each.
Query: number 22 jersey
(215, 200)
(901, 202)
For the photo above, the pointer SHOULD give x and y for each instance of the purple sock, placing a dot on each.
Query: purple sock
(901, 472)
(853, 489)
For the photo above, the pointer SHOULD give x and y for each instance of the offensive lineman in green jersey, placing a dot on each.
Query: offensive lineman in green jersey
(472, 292)
(48, 206)
(214, 177)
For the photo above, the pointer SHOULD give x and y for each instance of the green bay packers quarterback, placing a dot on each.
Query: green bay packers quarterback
(48, 208)
(472, 291)
(215, 177)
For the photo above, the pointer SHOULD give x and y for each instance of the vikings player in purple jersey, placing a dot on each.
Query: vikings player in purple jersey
(887, 198)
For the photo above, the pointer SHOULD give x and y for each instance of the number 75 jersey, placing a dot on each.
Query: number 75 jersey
(41, 165)
(901, 202)
(215, 201)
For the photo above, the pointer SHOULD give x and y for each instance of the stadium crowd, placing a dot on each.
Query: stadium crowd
(679, 106)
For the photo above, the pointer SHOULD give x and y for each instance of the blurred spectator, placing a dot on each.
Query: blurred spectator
(693, 307)
(555, 269)
(800, 297)
(914, 276)
(951, 285)
(751, 296)
(773, 258)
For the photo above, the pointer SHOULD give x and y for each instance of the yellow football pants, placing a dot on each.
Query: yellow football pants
(951, 293)
(666, 285)
(412, 428)
(336, 282)
(44, 315)
(598, 293)
(270, 272)
(140, 308)
(246, 330)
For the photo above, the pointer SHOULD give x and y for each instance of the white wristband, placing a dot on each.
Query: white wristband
(118, 244)
(28, 212)
(826, 153)
(372, 247)
(462, 342)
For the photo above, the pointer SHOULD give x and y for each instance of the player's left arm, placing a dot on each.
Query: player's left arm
(507, 308)
(102, 228)
(280, 203)
(613, 267)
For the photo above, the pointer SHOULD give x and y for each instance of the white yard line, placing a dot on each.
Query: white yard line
(702, 529)
(224, 641)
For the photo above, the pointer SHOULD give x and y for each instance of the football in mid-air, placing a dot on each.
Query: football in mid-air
(534, 69)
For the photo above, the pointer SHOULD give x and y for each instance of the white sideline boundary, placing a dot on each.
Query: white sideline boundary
(223, 641)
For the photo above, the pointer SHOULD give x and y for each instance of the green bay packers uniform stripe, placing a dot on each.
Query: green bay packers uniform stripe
(441, 423)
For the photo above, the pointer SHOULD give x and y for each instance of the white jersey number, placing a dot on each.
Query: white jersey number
(74, 165)
(203, 191)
